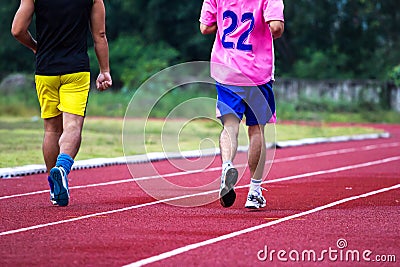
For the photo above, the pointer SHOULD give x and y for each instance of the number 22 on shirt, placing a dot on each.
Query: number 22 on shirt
(241, 41)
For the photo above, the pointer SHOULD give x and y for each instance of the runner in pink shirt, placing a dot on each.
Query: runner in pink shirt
(242, 63)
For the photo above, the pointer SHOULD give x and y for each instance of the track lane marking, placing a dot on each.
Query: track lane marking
(292, 158)
(211, 241)
(293, 177)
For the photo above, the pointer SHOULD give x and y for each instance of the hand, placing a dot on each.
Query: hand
(277, 27)
(103, 81)
(204, 29)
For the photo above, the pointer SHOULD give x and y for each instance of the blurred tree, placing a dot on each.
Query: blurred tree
(309, 36)
(14, 57)
(394, 75)
(322, 39)
(133, 60)
(174, 22)
(343, 39)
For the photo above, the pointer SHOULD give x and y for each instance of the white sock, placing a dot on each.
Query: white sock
(255, 185)
(226, 164)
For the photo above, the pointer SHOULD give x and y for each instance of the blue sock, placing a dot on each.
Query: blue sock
(65, 161)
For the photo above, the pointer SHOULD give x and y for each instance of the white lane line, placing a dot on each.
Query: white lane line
(211, 241)
(339, 169)
(338, 152)
(309, 174)
(25, 194)
(130, 180)
(293, 158)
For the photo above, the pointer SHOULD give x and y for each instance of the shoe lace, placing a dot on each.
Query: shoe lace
(262, 188)
(259, 193)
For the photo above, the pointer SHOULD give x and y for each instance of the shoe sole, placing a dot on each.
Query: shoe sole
(61, 196)
(255, 207)
(227, 194)
(51, 189)
(53, 201)
(252, 207)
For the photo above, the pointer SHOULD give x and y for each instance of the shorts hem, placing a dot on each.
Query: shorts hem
(50, 116)
(74, 112)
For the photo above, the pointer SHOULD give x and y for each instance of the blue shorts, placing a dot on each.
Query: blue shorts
(257, 103)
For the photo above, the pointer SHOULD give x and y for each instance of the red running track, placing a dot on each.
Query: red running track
(327, 203)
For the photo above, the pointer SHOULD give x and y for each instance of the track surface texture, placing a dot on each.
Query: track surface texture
(332, 204)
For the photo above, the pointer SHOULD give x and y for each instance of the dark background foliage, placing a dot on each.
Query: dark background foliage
(327, 39)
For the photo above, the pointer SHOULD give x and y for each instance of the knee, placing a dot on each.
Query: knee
(73, 129)
(256, 130)
(232, 128)
(53, 125)
(73, 123)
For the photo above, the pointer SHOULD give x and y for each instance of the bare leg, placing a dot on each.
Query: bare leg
(53, 128)
(256, 155)
(257, 151)
(70, 140)
(228, 144)
(67, 145)
(228, 141)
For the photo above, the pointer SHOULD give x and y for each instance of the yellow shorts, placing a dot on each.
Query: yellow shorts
(63, 93)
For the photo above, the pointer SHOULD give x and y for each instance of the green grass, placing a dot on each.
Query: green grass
(107, 103)
(21, 137)
(114, 104)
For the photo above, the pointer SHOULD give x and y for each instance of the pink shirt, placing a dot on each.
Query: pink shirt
(243, 51)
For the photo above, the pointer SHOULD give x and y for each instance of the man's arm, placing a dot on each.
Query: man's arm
(98, 28)
(277, 27)
(21, 22)
(204, 29)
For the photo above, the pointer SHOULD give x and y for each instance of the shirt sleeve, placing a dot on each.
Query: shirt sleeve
(208, 14)
(273, 10)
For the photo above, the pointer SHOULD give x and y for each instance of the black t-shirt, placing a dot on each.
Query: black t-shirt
(62, 28)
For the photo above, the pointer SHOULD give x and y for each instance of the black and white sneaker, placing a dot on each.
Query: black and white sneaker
(255, 200)
(227, 195)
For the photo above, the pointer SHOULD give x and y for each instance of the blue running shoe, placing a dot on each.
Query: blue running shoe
(51, 185)
(228, 180)
(60, 181)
